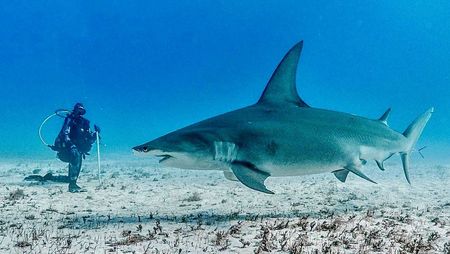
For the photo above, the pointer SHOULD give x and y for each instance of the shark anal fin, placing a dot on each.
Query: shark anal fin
(250, 176)
(380, 165)
(230, 176)
(384, 118)
(281, 88)
(341, 174)
(359, 173)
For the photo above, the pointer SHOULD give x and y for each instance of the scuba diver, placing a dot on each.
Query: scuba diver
(72, 144)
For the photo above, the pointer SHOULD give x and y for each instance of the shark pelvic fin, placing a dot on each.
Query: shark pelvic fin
(230, 176)
(359, 173)
(281, 88)
(383, 119)
(341, 174)
(250, 176)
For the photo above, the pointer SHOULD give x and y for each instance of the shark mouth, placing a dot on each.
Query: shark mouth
(164, 157)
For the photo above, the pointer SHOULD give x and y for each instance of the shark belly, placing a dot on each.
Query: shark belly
(313, 148)
(298, 170)
(296, 157)
(305, 163)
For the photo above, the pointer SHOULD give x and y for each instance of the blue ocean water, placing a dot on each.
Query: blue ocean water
(144, 68)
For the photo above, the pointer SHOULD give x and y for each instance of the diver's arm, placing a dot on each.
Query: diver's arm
(94, 137)
(66, 130)
(94, 133)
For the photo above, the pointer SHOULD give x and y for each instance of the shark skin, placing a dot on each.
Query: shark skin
(283, 136)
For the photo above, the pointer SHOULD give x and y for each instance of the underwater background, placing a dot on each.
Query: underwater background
(144, 68)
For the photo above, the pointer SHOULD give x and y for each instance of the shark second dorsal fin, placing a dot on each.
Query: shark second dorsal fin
(384, 118)
(281, 88)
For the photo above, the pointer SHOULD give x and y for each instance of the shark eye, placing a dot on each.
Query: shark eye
(145, 149)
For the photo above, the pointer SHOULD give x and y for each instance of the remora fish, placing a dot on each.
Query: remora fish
(281, 135)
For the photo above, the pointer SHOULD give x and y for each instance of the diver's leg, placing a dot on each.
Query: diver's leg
(74, 166)
(74, 170)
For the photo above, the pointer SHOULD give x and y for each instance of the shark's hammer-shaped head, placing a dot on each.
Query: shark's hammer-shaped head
(179, 149)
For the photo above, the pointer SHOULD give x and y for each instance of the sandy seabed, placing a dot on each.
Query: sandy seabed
(141, 207)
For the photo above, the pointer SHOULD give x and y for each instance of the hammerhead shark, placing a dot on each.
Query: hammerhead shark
(281, 135)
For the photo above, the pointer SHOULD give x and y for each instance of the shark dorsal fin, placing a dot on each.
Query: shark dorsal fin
(281, 88)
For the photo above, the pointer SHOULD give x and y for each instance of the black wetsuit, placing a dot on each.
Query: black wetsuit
(73, 143)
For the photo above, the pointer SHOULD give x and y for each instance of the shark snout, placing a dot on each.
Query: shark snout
(148, 150)
(141, 149)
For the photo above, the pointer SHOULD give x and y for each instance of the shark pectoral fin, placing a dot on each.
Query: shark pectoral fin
(250, 176)
(359, 173)
(230, 176)
(380, 165)
(341, 174)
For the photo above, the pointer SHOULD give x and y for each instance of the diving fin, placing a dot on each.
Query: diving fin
(341, 174)
(250, 176)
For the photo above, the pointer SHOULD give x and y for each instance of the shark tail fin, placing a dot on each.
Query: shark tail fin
(412, 134)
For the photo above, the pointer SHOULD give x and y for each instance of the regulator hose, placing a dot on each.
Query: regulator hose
(61, 113)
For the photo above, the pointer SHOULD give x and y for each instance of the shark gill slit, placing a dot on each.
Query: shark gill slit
(225, 151)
